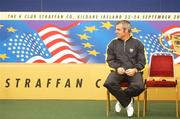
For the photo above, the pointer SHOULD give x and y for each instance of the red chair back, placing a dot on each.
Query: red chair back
(161, 66)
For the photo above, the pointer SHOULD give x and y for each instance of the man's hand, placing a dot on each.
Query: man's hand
(131, 72)
(120, 70)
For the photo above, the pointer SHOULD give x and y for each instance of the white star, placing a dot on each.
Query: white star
(5, 44)
(30, 35)
(10, 39)
(17, 36)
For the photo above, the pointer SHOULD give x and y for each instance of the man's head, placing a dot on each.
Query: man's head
(123, 29)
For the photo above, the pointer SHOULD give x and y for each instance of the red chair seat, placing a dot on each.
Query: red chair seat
(163, 83)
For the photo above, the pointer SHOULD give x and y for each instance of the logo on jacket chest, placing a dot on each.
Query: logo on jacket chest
(131, 50)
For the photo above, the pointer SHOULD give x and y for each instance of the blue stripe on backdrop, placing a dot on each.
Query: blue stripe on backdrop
(91, 5)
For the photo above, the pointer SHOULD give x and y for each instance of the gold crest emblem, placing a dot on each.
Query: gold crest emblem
(175, 40)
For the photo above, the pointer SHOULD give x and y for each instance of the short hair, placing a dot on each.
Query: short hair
(125, 24)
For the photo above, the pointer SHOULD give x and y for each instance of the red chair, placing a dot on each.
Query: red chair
(161, 74)
(122, 85)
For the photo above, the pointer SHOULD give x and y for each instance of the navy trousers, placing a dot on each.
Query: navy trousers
(135, 87)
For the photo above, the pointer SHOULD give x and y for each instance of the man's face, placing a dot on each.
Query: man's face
(120, 32)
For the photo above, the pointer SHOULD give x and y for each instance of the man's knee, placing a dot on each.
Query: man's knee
(110, 80)
(108, 84)
(134, 90)
(140, 88)
(139, 85)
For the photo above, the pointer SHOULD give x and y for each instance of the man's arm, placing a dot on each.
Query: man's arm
(141, 59)
(111, 57)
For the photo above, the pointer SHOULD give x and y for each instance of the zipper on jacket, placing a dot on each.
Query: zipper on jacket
(124, 46)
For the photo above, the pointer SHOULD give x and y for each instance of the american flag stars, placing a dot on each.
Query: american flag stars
(25, 45)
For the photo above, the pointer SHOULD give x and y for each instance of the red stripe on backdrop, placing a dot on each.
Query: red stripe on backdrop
(65, 28)
(58, 41)
(51, 33)
(66, 57)
(63, 48)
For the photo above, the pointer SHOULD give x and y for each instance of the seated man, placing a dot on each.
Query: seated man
(126, 55)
